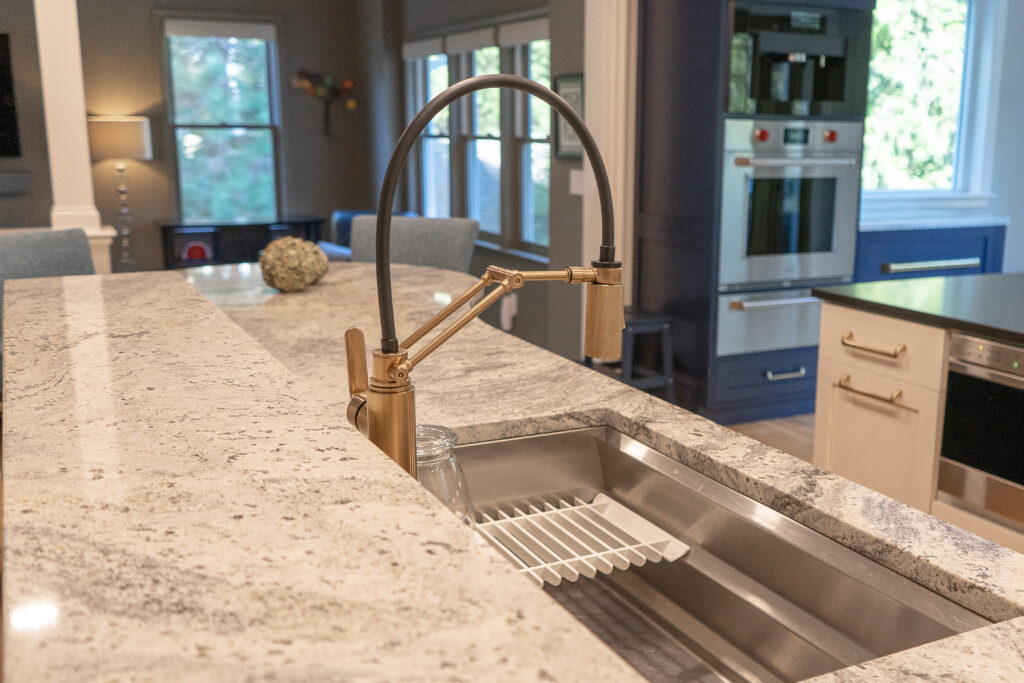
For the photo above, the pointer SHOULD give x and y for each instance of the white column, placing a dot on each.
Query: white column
(609, 109)
(67, 138)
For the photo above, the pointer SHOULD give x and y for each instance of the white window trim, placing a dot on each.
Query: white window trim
(976, 131)
(220, 29)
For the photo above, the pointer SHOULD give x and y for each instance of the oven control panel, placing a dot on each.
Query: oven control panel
(988, 354)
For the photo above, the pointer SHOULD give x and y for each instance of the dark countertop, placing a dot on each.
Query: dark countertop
(990, 305)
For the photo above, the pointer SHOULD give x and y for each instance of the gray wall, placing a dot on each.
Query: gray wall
(427, 18)
(123, 68)
(17, 18)
(1008, 172)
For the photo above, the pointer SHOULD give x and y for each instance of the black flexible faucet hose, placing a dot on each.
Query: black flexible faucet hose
(389, 340)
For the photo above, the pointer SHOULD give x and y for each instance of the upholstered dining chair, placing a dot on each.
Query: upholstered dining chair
(42, 253)
(439, 242)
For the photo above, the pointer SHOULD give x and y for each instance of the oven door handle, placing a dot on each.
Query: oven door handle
(762, 304)
(831, 162)
(997, 376)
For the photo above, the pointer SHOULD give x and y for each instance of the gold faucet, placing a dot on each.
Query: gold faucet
(382, 404)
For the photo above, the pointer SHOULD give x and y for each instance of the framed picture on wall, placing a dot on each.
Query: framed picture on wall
(9, 144)
(567, 143)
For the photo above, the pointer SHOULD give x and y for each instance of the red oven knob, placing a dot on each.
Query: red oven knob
(761, 135)
(830, 136)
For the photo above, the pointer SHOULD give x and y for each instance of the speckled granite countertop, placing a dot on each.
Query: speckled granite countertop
(183, 503)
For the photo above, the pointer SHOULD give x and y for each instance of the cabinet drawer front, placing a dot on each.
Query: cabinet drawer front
(905, 351)
(766, 376)
(878, 432)
(767, 321)
(897, 254)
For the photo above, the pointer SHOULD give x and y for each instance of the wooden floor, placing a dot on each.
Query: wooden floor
(793, 435)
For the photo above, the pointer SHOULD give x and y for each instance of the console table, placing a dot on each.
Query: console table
(187, 245)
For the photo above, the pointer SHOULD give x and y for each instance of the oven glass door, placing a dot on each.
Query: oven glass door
(790, 215)
(982, 465)
(788, 219)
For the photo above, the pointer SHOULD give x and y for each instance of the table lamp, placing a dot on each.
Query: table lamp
(121, 137)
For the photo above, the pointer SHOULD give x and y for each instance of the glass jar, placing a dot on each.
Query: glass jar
(439, 472)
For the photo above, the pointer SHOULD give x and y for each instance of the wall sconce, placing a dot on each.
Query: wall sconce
(121, 137)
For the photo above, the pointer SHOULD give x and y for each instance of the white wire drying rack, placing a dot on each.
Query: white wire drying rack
(566, 539)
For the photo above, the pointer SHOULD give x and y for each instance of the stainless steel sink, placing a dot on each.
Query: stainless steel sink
(757, 597)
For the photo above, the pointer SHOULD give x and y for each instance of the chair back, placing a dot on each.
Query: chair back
(339, 229)
(439, 242)
(45, 253)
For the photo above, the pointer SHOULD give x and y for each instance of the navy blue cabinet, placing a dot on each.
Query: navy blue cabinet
(898, 254)
(764, 385)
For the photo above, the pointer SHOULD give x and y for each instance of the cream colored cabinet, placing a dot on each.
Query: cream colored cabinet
(879, 403)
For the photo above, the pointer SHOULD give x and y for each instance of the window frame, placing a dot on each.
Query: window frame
(976, 134)
(513, 138)
(263, 29)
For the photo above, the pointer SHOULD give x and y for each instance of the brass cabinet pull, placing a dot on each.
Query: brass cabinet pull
(796, 374)
(944, 264)
(895, 353)
(891, 399)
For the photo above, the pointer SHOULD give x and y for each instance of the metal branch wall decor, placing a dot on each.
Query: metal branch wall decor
(327, 90)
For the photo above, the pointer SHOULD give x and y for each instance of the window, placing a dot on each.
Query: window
(489, 158)
(931, 103)
(223, 116)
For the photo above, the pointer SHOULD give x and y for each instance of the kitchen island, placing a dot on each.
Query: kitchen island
(919, 395)
(184, 499)
(986, 305)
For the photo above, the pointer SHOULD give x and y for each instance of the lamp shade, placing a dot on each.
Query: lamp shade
(120, 137)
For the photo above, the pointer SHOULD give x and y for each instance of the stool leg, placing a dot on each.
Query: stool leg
(666, 363)
(627, 354)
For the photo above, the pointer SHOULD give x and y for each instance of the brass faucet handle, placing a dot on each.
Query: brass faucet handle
(355, 354)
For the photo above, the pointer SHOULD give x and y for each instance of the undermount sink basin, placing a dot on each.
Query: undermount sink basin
(757, 596)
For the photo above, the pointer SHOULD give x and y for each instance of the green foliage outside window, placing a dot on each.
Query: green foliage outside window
(437, 81)
(917, 58)
(487, 103)
(539, 65)
(219, 80)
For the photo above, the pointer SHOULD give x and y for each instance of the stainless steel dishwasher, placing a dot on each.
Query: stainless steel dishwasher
(981, 469)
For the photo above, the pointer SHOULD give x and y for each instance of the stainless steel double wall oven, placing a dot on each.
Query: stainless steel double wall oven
(790, 191)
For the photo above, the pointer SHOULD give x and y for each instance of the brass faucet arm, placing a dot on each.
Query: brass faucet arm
(507, 280)
(503, 288)
(441, 315)
(572, 274)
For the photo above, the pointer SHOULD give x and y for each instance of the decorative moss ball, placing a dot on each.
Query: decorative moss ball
(291, 264)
